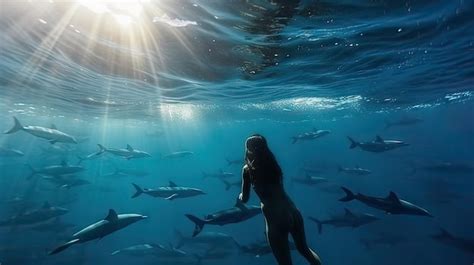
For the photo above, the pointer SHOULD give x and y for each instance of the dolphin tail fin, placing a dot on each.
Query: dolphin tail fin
(138, 190)
(199, 224)
(444, 233)
(413, 167)
(63, 246)
(229, 163)
(318, 222)
(367, 244)
(294, 140)
(101, 148)
(354, 143)
(226, 183)
(16, 127)
(33, 172)
(80, 159)
(180, 238)
(349, 195)
(339, 169)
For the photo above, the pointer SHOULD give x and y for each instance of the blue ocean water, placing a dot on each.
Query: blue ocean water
(201, 76)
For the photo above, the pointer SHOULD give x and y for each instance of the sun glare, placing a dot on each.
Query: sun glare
(125, 12)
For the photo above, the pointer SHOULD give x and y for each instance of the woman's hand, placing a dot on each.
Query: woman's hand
(241, 196)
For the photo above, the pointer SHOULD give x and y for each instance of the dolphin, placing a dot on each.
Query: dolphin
(66, 182)
(91, 156)
(405, 121)
(9, 152)
(172, 255)
(131, 172)
(137, 250)
(446, 168)
(55, 226)
(382, 239)
(260, 248)
(309, 180)
(111, 223)
(390, 204)
(178, 154)
(231, 162)
(209, 239)
(171, 192)
(216, 253)
(219, 175)
(315, 134)
(354, 170)
(57, 150)
(239, 213)
(348, 219)
(53, 135)
(378, 145)
(229, 185)
(45, 213)
(127, 153)
(461, 243)
(56, 170)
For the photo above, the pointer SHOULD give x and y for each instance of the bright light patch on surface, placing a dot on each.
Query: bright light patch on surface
(125, 12)
(123, 20)
(175, 22)
(178, 111)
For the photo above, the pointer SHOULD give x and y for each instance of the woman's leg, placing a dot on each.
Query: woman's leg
(299, 237)
(278, 240)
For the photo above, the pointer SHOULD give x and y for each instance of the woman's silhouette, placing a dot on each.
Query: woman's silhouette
(261, 170)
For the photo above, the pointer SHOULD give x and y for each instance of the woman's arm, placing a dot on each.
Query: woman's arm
(245, 193)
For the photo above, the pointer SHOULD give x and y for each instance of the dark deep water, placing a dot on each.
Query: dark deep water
(201, 76)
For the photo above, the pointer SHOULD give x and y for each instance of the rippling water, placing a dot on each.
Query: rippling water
(290, 55)
(200, 76)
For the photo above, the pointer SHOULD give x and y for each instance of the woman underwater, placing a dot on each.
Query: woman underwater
(261, 170)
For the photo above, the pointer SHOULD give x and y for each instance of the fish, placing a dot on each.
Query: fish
(171, 192)
(44, 213)
(348, 219)
(239, 213)
(111, 223)
(9, 152)
(128, 153)
(379, 145)
(390, 204)
(315, 134)
(53, 135)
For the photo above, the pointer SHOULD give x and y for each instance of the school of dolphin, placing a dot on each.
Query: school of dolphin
(215, 245)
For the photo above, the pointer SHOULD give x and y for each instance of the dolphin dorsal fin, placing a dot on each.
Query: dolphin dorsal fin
(53, 126)
(63, 163)
(172, 184)
(379, 139)
(239, 204)
(348, 212)
(393, 197)
(129, 148)
(46, 205)
(445, 233)
(112, 216)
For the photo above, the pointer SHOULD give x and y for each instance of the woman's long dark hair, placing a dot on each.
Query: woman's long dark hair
(264, 163)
